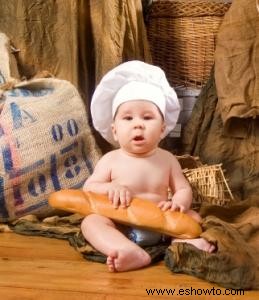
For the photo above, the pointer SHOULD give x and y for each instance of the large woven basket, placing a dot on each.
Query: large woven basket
(182, 36)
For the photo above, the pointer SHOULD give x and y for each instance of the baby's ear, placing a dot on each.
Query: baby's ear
(163, 128)
(162, 131)
(114, 132)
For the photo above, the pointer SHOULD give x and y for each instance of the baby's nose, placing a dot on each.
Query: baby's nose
(138, 123)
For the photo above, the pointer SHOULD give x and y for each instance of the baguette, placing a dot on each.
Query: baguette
(141, 213)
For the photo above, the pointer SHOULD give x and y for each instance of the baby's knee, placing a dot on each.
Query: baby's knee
(95, 220)
(193, 214)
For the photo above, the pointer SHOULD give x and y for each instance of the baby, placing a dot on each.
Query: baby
(141, 110)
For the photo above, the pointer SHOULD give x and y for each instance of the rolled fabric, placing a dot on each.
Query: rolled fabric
(141, 213)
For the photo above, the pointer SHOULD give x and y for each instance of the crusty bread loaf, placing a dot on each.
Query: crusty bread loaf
(141, 213)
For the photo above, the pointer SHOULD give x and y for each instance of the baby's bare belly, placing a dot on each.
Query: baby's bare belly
(154, 197)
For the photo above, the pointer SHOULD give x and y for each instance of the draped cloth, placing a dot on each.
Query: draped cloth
(237, 67)
(235, 232)
(224, 126)
(119, 34)
(76, 40)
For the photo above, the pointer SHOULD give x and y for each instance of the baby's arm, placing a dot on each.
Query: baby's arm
(100, 182)
(181, 189)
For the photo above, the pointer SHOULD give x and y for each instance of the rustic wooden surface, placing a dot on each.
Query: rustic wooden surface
(50, 269)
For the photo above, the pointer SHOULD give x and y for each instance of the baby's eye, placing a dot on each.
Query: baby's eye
(148, 117)
(127, 118)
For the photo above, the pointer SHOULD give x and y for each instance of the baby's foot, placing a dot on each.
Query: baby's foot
(199, 243)
(110, 263)
(126, 260)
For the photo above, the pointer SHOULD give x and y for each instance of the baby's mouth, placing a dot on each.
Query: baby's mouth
(138, 138)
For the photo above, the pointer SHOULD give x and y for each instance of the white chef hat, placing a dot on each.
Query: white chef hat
(132, 80)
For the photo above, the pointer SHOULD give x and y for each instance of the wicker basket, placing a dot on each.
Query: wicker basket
(209, 185)
(182, 36)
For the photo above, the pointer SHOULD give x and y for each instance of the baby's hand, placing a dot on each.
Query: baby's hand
(180, 205)
(119, 195)
(165, 205)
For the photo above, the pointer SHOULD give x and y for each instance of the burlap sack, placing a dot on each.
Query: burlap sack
(45, 143)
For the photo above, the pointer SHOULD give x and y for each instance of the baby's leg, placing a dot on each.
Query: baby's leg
(193, 214)
(122, 254)
(199, 243)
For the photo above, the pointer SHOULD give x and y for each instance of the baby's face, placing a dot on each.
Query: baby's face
(138, 126)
